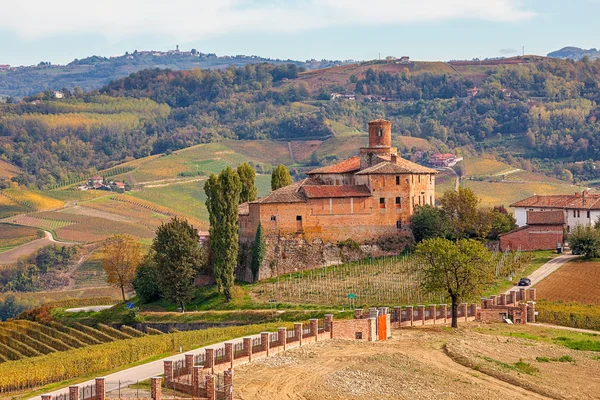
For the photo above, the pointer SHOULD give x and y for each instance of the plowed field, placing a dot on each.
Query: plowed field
(577, 281)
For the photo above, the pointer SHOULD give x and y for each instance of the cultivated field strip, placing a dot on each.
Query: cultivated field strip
(20, 339)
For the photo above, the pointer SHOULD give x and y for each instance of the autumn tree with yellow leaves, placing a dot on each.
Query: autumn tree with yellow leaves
(122, 256)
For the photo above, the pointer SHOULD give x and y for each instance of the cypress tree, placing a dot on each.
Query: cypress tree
(248, 177)
(280, 177)
(222, 200)
(259, 250)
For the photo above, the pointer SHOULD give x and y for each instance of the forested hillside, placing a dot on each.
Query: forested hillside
(536, 114)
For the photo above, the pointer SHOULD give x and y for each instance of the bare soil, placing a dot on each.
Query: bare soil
(415, 364)
(577, 281)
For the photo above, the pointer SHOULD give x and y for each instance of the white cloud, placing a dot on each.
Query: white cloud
(196, 19)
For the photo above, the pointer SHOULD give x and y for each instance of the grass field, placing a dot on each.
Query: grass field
(13, 235)
(485, 166)
(576, 281)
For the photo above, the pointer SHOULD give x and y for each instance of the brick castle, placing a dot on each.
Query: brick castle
(365, 198)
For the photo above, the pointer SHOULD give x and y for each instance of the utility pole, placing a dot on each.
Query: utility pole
(523, 51)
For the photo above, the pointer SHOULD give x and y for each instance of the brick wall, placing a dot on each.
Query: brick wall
(542, 237)
(355, 329)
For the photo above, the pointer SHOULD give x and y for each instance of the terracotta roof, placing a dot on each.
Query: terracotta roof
(329, 191)
(588, 201)
(554, 217)
(244, 209)
(288, 194)
(401, 166)
(343, 167)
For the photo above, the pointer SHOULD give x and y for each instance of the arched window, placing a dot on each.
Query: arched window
(380, 132)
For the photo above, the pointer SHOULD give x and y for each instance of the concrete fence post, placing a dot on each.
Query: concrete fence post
(168, 371)
(513, 297)
(523, 313)
(264, 342)
(531, 311)
(100, 388)
(189, 363)
(210, 360)
(196, 374)
(421, 314)
(211, 393)
(410, 315)
(228, 381)
(372, 337)
(298, 331)
(444, 310)
(398, 315)
(494, 300)
(229, 354)
(432, 312)
(502, 301)
(156, 388)
(522, 294)
(282, 337)
(73, 392)
(473, 310)
(314, 328)
(248, 348)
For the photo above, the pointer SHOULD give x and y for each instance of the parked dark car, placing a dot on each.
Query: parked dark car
(524, 282)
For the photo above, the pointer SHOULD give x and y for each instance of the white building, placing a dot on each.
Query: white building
(579, 208)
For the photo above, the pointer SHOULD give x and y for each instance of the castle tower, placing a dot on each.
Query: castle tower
(380, 143)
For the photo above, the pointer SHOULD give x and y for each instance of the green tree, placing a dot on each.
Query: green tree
(502, 222)
(146, 280)
(259, 250)
(429, 222)
(280, 177)
(585, 240)
(466, 219)
(222, 200)
(179, 257)
(248, 178)
(461, 270)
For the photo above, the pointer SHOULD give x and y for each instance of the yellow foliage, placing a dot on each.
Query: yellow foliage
(31, 199)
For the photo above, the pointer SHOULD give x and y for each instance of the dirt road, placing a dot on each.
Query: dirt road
(539, 274)
(12, 255)
(412, 365)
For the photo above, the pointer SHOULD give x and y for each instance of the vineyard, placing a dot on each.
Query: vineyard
(372, 282)
(76, 296)
(21, 339)
(32, 201)
(577, 281)
(92, 351)
(575, 315)
(13, 236)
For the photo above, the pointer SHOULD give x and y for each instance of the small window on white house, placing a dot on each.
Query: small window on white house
(588, 214)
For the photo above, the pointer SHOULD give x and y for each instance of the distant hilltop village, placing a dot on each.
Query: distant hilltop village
(365, 199)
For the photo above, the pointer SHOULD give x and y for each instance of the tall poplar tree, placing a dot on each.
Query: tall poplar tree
(280, 177)
(258, 251)
(222, 200)
(248, 178)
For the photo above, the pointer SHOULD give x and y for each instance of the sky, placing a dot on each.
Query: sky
(59, 31)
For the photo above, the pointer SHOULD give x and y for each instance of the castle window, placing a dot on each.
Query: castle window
(382, 202)
(298, 217)
(398, 202)
(431, 200)
(273, 218)
(399, 224)
(419, 178)
(397, 180)
(406, 181)
(380, 132)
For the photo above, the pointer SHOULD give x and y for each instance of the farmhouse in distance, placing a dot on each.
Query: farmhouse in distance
(368, 197)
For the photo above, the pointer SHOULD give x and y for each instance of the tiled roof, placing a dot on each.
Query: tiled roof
(554, 217)
(401, 166)
(288, 194)
(330, 191)
(343, 167)
(587, 201)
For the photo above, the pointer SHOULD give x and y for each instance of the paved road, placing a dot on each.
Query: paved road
(132, 375)
(12, 255)
(89, 308)
(566, 328)
(546, 269)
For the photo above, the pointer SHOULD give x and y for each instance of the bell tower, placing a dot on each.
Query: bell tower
(380, 143)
